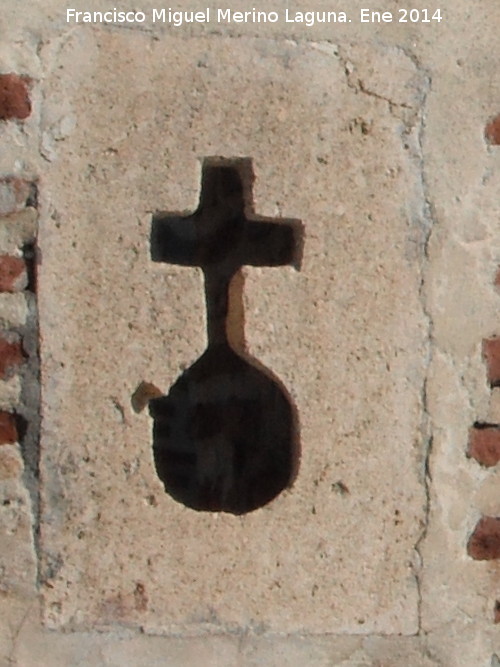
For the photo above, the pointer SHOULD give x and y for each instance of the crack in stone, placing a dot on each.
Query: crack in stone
(360, 87)
(129, 28)
(429, 221)
(15, 633)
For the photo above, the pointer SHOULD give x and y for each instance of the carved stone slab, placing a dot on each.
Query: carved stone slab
(333, 134)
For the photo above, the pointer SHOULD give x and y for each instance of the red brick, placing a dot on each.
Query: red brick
(14, 97)
(13, 277)
(15, 194)
(11, 357)
(8, 428)
(484, 543)
(484, 445)
(491, 354)
(492, 131)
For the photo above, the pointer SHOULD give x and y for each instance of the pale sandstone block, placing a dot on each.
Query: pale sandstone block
(346, 334)
(17, 554)
(13, 310)
(17, 229)
(15, 194)
(10, 391)
(120, 648)
(11, 462)
(494, 408)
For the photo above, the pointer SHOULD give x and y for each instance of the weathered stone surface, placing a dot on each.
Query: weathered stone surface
(9, 392)
(17, 229)
(494, 406)
(346, 334)
(17, 554)
(11, 464)
(24, 641)
(459, 165)
(459, 593)
(13, 310)
(15, 194)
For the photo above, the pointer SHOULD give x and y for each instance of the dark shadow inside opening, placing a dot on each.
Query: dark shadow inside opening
(225, 438)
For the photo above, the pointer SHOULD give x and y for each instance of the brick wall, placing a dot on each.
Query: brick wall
(19, 360)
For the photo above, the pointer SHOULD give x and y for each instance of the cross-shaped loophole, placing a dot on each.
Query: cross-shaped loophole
(225, 437)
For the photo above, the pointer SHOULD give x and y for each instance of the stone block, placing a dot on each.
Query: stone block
(345, 333)
(13, 310)
(15, 194)
(17, 554)
(9, 392)
(17, 229)
(11, 464)
(494, 406)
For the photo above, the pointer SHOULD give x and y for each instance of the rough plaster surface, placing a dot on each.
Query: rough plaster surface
(450, 176)
(346, 333)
